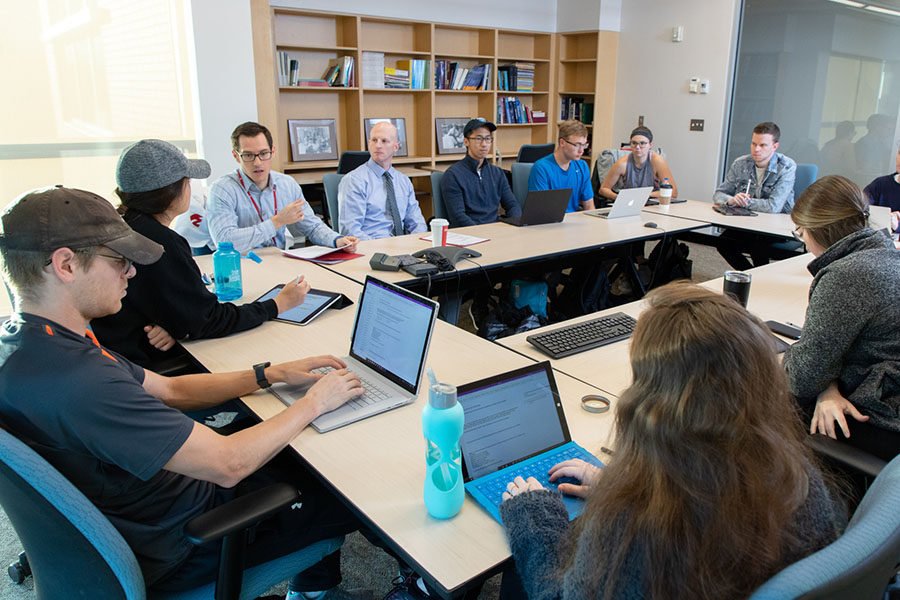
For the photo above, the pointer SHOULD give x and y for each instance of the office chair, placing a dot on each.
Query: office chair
(440, 212)
(531, 153)
(74, 551)
(350, 159)
(331, 181)
(803, 177)
(858, 565)
(520, 174)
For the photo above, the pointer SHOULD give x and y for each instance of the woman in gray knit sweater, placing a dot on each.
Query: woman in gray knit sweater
(848, 359)
(711, 490)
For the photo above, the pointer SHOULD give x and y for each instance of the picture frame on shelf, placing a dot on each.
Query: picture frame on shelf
(450, 135)
(312, 139)
(400, 124)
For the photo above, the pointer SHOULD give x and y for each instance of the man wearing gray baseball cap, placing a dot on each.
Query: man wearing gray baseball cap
(117, 431)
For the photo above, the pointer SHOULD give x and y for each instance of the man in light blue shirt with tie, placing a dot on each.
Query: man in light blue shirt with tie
(253, 205)
(375, 200)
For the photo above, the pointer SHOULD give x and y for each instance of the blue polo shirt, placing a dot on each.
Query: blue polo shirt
(546, 174)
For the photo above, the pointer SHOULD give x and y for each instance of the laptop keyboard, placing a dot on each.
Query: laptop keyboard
(495, 487)
(373, 393)
(573, 339)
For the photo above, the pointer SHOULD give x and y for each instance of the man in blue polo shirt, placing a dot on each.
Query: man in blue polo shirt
(564, 168)
(473, 189)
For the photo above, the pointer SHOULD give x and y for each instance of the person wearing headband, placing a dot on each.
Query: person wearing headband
(845, 368)
(641, 168)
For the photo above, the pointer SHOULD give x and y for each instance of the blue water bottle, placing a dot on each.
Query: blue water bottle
(227, 272)
(442, 424)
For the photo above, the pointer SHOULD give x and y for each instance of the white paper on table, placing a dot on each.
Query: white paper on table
(311, 251)
(458, 239)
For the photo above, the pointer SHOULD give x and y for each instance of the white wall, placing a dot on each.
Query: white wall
(652, 80)
(226, 82)
(532, 15)
(584, 15)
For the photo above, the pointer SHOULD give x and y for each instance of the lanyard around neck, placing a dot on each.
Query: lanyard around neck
(252, 201)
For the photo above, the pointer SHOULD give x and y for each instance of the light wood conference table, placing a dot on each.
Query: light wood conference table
(378, 465)
(779, 291)
(771, 223)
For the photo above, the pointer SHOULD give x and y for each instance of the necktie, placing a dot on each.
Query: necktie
(390, 203)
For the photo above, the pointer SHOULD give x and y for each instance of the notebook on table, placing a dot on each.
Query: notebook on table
(515, 425)
(629, 203)
(388, 348)
(541, 207)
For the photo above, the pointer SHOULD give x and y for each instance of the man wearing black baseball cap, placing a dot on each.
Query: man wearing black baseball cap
(117, 431)
(473, 189)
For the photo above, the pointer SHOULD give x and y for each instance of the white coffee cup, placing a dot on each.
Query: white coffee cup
(665, 196)
(439, 232)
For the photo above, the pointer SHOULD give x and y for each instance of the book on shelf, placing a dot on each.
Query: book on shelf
(418, 72)
(288, 70)
(577, 109)
(396, 78)
(340, 72)
(311, 83)
(451, 76)
(373, 70)
(511, 110)
(518, 77)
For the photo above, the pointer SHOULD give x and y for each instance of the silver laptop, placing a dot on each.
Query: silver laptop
(388, 349)
(629, 203)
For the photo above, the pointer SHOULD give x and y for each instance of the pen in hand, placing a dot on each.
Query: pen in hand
(747, 191)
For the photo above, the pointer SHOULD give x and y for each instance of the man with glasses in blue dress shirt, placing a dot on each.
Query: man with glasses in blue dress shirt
(252, 206)
(376, 200)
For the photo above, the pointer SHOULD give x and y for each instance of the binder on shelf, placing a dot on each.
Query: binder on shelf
(373, 70)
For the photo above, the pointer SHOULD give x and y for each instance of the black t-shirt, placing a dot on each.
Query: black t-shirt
(884, 191)
(84, 410)
(170, 293)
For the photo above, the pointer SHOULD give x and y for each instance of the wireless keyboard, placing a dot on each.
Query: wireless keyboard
(573, 339)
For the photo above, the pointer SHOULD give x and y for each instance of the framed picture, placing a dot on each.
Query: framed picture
(312, 139)
(400, 124)
(450, 135)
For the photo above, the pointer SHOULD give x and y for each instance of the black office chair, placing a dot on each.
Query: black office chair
(350, 159)
(73, 550)
(530, 153)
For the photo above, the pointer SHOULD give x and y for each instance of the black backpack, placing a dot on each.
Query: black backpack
(669, 261)
(586, 291)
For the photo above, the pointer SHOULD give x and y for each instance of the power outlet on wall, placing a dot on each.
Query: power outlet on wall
(697, 124)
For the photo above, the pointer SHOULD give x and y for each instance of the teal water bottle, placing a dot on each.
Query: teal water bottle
(227, 272)
(442, 424)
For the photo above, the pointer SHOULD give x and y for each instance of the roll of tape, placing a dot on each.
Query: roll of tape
(595, 403)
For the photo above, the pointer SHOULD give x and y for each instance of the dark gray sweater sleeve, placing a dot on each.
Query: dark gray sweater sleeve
(536, 522)
(839, 305)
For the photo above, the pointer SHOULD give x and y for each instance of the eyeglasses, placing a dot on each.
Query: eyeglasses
(482, 139)
(124, 263)
(797, 235)
(250, 157)
(578, 146)
(639, 144)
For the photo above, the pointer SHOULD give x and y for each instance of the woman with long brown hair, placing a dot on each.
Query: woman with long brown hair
(711, 490)
(847, 362)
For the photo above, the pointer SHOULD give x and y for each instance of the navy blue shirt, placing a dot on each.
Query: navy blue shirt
(84, 409)
(884, 191)
(472, 197)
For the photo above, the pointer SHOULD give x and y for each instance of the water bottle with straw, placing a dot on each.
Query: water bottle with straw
(442, 425)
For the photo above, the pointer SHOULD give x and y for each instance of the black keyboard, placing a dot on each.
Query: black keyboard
(573, 339)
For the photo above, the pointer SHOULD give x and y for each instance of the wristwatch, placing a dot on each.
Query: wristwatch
(260, 371)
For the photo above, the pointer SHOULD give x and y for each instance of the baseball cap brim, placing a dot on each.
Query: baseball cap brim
(197, 168)
(136, 248)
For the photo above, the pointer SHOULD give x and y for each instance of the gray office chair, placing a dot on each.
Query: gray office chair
(74, 551)
(531, 153)
(803, 177)
(350, 159)
(331, 181)
(440, 211)
(520, 174)
(858, 565)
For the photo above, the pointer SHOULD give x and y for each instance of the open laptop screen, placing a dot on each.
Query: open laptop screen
(392, 330)
(509, 418)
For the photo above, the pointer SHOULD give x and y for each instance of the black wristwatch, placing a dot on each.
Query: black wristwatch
(260, 371)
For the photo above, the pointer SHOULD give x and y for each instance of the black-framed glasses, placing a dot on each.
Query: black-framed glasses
(639, 144)
(248, 157)
(578, 146)
(124, 263)
(481, 139)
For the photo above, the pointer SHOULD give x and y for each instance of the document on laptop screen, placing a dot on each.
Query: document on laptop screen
(392, 331)
(508, 421)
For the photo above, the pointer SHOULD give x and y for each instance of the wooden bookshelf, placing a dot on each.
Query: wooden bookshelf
(581, 63)
(587, 69)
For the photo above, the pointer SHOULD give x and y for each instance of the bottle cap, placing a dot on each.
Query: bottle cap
(226, 245)
(442, 395)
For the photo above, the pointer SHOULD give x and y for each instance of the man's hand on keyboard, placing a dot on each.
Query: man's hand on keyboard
(333, 390)
(298, 372)
(519, 485)
(576, 468)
